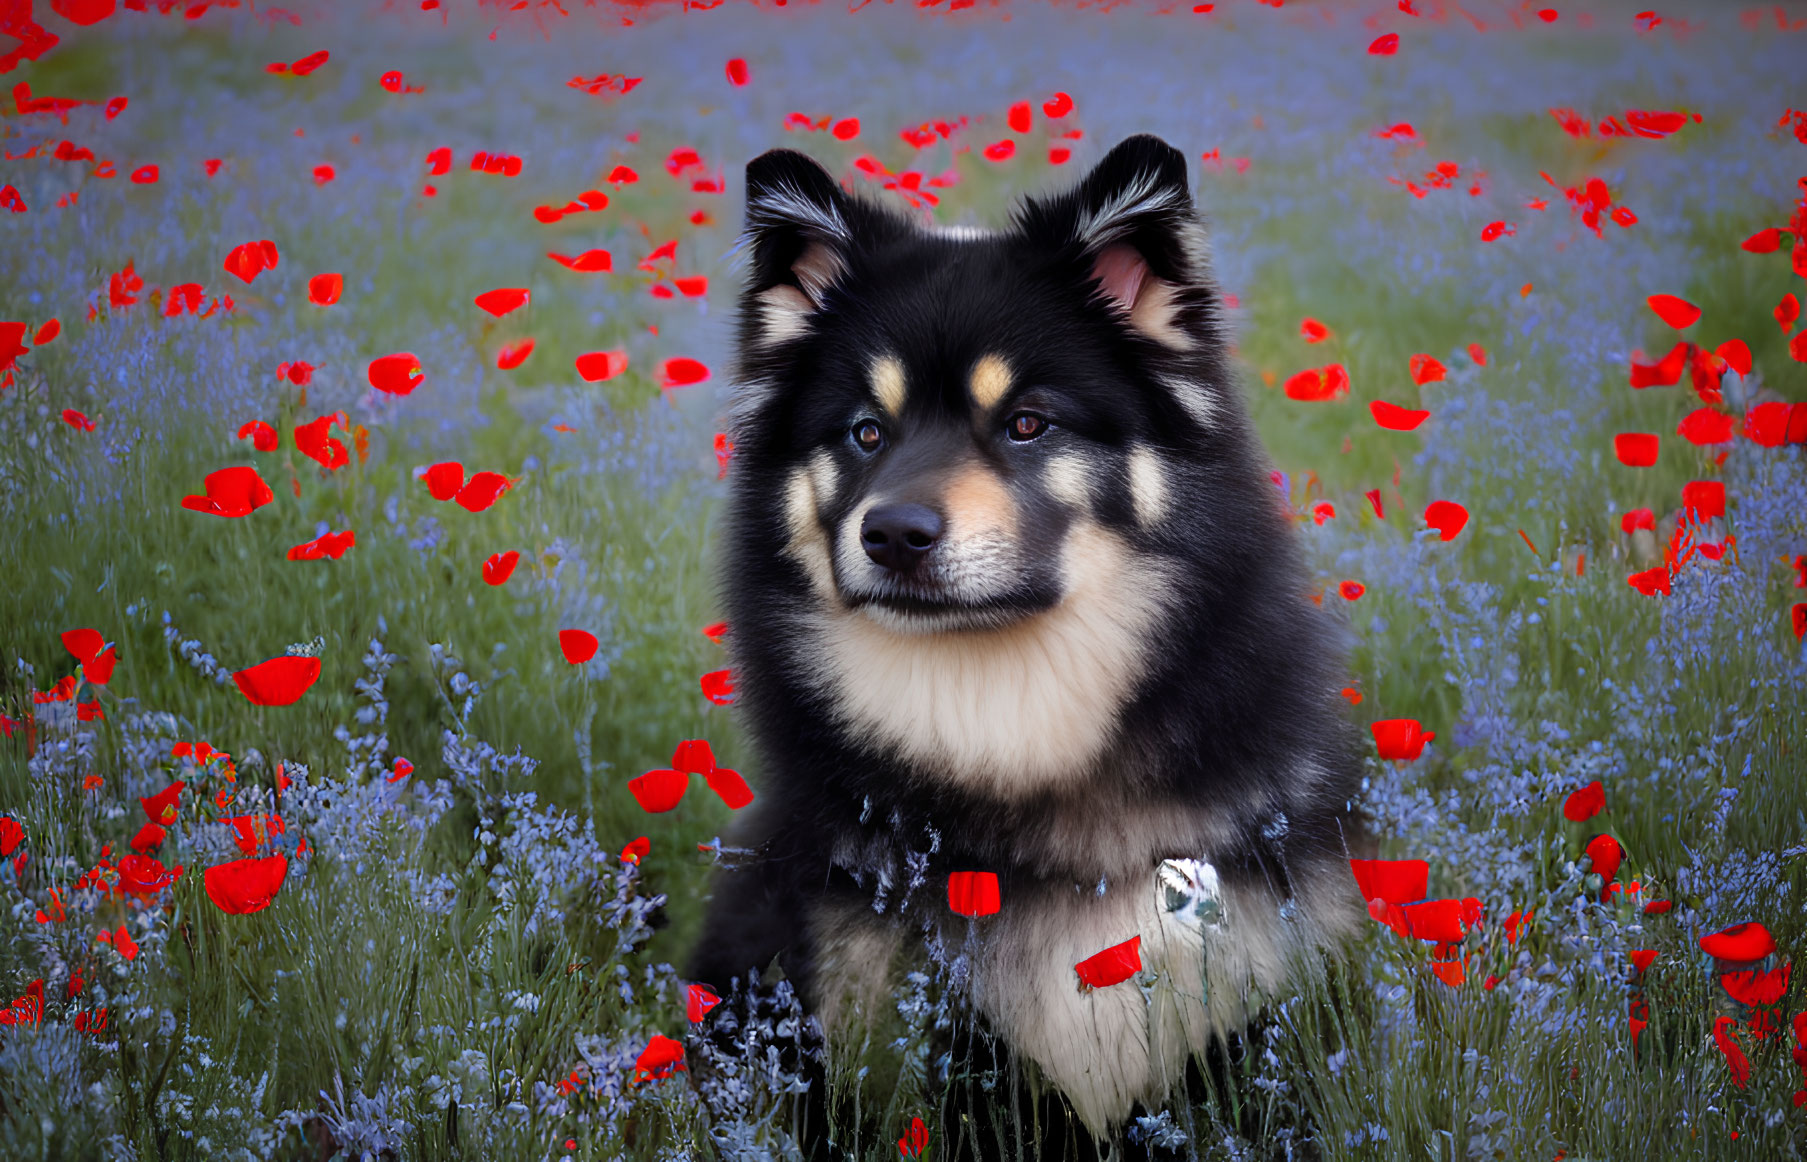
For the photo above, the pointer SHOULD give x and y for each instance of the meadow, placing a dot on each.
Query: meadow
(436, 937)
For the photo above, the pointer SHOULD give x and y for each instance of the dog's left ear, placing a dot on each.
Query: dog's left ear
(1131, 227)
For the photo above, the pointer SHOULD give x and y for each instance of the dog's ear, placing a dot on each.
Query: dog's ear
(1130, 229)
(800, 234)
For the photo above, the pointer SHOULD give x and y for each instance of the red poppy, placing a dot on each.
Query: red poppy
(1585, 803)
(661, 1058)
(121, 940)
(147, 839)
(11, 836)
(1704, 498)
(716, 631)
(694, 756)
(1606, 855)
(502, 300)
(718, 687)
(231, 492)
(1318, 383)
(1678, 313)
(1447, 517)
(1313, 331)
(244, 886)
(973, 893)
(513, 356)
(1651, 581)
(1636, 449)
(1400, 738)
(698, 1000)
(444, 479)
(281, 681)
(1425, 370)
(737, 71)
(1395, 881)
(324, 546)
(913, 1143)
(601, 365)
(1351, 590)
(1704, 426)
(313, 441)
(682, 372)
(1739, 943)
(636, 851)
(481, 491)
(162, 807)
(1114, 965)
(249, 260)
(1395, 418)
(93, 652)
(730, 787)
(658, 791)
(1668, 370)
(1637, 518)
(1724, 1030)
(1763, 241)
(143, 876)
(589, 262)
(1757, 987)
(500, 567)
(578, 645)
(262, 436)
(396, 374)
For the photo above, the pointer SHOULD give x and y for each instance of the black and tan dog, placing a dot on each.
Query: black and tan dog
(1011, 591)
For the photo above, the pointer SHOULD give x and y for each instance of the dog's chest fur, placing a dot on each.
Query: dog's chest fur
(1106, 1048)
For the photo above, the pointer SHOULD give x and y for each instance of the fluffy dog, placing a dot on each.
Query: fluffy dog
(1011, 592)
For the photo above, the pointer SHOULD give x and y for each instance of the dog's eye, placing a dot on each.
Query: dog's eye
(1025, 426)
(868, 435)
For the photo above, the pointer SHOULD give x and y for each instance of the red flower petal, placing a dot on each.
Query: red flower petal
(1447, 517)
(973, 893)
(636, 851)
(444, 479)
(737, 75)
(1705, 498)
(262, 435)
(731, 788)
(1400, 738)
(1394, 881)
(1606, 854)
(231, 492)
(589, 262)
(682, 372)
(500, 567)
(698, 1000)
(1678, 313)
(1384, 45)
(598, 366)
(1425, 370)
(694, 756)
(396, 374)
(1643, 958)
(578, 645)
(661, 1058)
(1585, 803)
(280, 681)
(244, 886)
(481, 491)
(1112, 966)
(1740, 942)
(502, 300)
(1704, 426)
(1395, 418)
(513, 356)
(718, 687)
(1636, 449)
(658, 791)
(1763, 241)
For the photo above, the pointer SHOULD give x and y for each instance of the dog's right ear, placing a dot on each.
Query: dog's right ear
(798, 229)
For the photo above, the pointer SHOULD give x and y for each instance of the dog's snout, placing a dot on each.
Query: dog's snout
(899, 536)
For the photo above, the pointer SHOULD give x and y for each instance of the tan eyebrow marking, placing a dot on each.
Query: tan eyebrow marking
(888, 384)
(989, 381)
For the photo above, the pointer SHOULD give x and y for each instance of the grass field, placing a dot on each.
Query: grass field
(459, 963)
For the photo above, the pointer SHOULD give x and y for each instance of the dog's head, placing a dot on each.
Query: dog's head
(951, 406)
(969, 458)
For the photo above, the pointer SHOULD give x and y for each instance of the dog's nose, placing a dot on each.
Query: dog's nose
(899, 536)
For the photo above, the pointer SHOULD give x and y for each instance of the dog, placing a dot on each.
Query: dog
(1011, 591)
